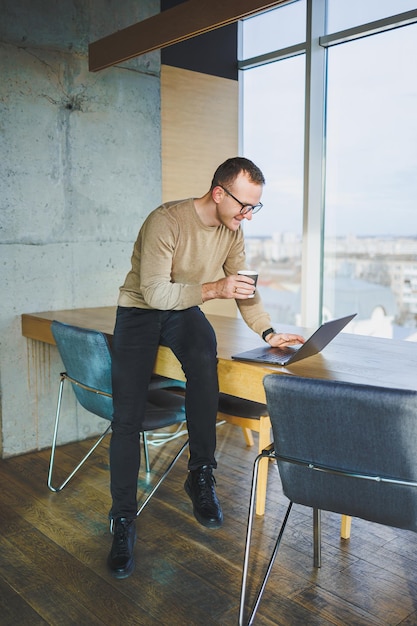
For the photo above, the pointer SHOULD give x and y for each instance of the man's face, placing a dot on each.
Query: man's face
(228, 208)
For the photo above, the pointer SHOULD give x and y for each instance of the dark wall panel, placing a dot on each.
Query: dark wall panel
(213, 53)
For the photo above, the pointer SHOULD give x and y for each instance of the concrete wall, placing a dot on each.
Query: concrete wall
(80, 163)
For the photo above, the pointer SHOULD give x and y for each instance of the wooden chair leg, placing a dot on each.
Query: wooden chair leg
(345, 527)
(247, 433)
(264, 441)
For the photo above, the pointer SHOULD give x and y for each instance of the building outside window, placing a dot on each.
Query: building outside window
(359, 208)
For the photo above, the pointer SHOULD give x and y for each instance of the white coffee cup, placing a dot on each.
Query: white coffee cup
(251, 274)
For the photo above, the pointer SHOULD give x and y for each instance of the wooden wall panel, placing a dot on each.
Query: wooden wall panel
(199, 119)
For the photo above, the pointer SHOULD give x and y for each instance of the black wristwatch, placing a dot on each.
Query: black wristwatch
(266, 333)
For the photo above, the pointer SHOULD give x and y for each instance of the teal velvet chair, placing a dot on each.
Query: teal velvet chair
(86, 356)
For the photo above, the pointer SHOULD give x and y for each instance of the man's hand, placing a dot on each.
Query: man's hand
(236, 286)
(283, 340)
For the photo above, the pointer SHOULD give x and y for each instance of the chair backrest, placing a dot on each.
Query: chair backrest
(348, 427)
(86, 357)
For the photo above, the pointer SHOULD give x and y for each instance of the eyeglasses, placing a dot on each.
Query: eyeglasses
(245, 207)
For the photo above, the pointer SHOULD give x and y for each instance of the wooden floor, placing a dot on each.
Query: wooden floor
(53, 550)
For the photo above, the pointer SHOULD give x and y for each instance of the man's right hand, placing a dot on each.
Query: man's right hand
(237, 286)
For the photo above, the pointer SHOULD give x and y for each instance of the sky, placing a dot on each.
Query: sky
(371, 152)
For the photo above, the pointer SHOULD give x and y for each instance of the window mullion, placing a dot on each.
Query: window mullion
(314, 167)
(371, 28)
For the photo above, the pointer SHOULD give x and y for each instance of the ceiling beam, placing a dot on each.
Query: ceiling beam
(179, 23)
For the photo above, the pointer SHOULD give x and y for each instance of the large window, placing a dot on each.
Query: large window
(274, 139)
(371, 182)
(365, 259)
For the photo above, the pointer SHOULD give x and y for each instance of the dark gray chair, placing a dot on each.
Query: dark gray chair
(86, 356)
(340, 447)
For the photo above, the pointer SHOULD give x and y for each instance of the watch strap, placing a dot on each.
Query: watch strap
(267, 332)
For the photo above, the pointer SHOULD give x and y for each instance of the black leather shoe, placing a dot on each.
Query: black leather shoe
(200, 487)
(120, 560)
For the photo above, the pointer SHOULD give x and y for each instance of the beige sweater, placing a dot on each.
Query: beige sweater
(175, 253)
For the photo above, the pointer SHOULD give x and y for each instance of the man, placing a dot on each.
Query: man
(181, 250)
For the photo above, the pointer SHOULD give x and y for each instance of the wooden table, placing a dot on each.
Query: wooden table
(349, 358)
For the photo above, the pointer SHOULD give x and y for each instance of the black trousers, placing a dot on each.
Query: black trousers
(137, 334)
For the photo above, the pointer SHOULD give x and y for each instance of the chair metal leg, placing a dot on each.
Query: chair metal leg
(146, 452)
(162, 478)
(317, 537)
(54, 440)
(248, 542)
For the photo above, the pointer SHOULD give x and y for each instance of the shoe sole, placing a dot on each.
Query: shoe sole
(120, 575)
(202, 520)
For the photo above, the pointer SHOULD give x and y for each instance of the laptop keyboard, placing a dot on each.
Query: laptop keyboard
(278, 355)
(274, 358)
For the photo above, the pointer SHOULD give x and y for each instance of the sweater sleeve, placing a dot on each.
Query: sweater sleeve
(254, 314)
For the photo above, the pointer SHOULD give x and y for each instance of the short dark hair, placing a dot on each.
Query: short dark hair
(228, 171)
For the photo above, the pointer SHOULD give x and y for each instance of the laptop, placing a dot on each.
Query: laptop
(285, 356)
